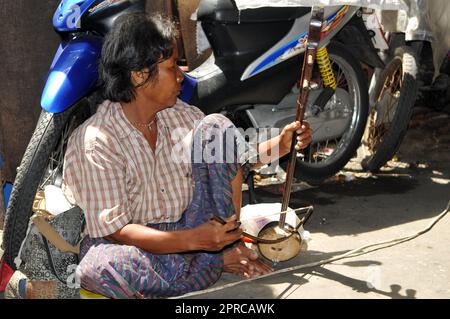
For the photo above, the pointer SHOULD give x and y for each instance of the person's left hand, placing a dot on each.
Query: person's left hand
(304, 137)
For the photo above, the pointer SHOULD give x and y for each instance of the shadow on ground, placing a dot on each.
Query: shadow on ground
(372, 203)
(297, 279)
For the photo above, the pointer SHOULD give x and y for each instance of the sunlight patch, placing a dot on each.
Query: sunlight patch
(442, 181)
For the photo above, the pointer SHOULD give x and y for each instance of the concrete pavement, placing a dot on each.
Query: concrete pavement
(360, 213)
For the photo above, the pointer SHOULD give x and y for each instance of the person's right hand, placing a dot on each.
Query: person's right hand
(213, 236)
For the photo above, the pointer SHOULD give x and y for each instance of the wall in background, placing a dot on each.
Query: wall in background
(27, 45)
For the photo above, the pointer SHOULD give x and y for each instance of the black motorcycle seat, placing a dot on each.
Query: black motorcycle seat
(225, 11)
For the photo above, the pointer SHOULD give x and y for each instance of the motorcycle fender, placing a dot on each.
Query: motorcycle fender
(188, 88)
(73, 74)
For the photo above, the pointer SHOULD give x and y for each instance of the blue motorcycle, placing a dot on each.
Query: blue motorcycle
(251, 77)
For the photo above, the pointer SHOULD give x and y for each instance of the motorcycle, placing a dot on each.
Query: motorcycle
(251, 77)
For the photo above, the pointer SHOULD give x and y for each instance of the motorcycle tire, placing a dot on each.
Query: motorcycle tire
(47, 137)
(316, 173)
(383, 146)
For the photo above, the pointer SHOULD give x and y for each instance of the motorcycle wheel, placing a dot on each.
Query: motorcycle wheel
(41, 165)
(396, 94)
(324, 158)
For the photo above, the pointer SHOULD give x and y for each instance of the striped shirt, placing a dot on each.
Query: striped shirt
(112, 173)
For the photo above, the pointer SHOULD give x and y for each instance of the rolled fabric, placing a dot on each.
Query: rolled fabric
(17, 286)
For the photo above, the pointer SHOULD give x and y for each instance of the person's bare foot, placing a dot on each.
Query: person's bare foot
(243, 261)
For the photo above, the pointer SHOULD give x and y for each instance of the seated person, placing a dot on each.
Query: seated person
(149, 212)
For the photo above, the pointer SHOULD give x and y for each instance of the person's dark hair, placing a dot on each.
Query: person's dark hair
(136, 41)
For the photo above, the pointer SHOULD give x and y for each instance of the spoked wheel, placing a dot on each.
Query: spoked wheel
(41, 165)
(339, 126)
(53, 174)
(395, 95)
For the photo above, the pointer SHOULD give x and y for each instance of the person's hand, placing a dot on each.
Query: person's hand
(304, 136)
(213, 236)
(244, 262)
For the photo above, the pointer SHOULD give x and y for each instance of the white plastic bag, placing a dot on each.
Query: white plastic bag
(55, 201)
(255, 217)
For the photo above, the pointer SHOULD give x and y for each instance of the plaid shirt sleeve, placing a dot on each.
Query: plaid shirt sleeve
(96, 178)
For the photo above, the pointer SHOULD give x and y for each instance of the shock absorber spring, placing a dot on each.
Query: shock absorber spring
(323, 60)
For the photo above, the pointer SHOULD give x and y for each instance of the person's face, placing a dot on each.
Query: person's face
(164, 89)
